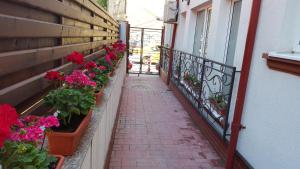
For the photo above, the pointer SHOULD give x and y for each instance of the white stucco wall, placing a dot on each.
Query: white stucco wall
(219, 28)
(271, 115)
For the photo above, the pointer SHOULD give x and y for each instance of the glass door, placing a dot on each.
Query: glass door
(233, 32)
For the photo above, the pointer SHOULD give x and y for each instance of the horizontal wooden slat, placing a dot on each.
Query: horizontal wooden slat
(19, 92)
(27, 58)
(59, 8)
(17, 27)
(95, 8)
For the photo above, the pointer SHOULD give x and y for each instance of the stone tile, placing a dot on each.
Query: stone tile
(155, 132)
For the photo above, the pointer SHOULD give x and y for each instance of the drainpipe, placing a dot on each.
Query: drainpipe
(171, 53)
(242, 89)
(162, 44)
(172, 46)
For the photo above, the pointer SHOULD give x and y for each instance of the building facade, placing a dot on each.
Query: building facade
(218, 30)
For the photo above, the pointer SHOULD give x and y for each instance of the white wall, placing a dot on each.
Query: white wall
(271, 139)
(271, 114)
(219, 29)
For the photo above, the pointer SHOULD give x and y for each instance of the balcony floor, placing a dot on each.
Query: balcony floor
(154, 131)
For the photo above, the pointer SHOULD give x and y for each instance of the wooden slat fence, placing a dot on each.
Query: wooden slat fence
(35, 37)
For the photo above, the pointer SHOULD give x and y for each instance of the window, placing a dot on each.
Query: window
(201, 32)
(235, 20)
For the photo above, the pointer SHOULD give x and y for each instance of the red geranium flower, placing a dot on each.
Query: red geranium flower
(90, 65)
(129, 66)
(119, 46)
(54, 75)
(102, 68)
(108, 59)
(8, 117)
(78, 79)
(107, 49)
(112, 56)
(76, 58)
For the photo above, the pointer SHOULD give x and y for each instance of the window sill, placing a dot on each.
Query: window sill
(283, 61)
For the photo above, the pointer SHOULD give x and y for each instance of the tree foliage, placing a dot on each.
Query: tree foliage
(103, 3)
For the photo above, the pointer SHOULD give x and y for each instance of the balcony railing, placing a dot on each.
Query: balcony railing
(165, 53)
(207, 84)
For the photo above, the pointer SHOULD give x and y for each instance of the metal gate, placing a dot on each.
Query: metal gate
(144, 54)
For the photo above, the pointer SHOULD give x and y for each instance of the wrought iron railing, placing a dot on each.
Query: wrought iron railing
(207, 84)
(165, 53)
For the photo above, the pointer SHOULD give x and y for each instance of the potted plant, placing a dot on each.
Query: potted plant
(119, 48)
(219, 103)
(73, 102)
(98, 75)
(21, 138)
(192, 82)
(107, 62)
(177, 71)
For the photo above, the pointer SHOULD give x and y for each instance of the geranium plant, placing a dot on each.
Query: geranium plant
(78, 79)
(75, 98)
(70, 102)
(105, 62)
(20, 144)
(56, 77)
(97, 74)
(119, 47)
(76, 57)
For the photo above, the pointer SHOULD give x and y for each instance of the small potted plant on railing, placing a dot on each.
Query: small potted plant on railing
(177, 72)
(98, 75)
(21, 141)
(219, 103)
(192, 82)
(73, 102)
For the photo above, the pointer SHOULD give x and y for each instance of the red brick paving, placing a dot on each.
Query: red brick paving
(155, 132)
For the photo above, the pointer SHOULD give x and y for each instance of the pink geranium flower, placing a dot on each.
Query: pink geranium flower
(90, 65)
(102, 68)
(119, 46)
(78, 79)
(108, 59)
(92, 75)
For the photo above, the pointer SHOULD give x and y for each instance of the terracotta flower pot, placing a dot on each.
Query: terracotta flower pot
(66, 143)
(215, 105)
(60, 161)
(112, 73)
(118, 63)
(99, 96)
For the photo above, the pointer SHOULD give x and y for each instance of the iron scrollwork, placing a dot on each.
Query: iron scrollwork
(207, 84)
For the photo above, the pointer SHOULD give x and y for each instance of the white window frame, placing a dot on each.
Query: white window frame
(229, 29)
(205, 31)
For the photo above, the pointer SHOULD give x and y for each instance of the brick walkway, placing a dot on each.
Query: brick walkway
(155, 132)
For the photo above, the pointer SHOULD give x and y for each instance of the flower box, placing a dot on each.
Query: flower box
(221, 111)
(64, 143)
(194, 88)
(112, 73)
(99, 96)
(59, 163)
